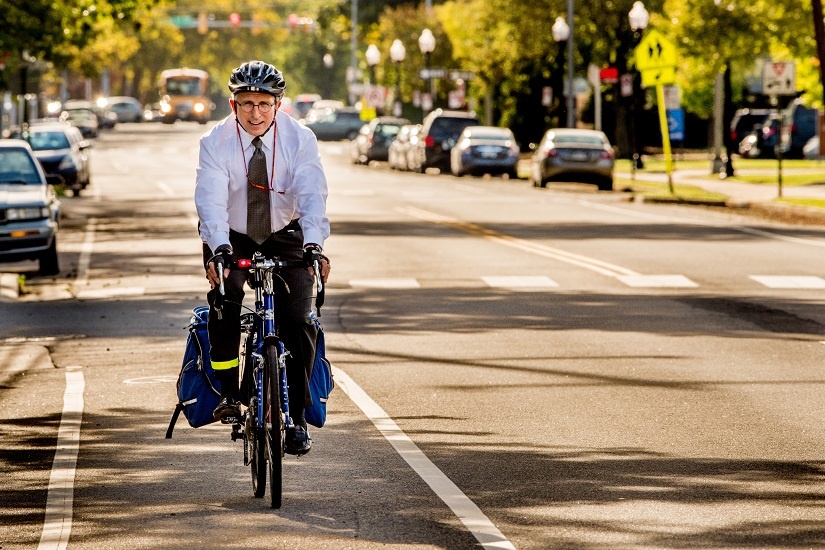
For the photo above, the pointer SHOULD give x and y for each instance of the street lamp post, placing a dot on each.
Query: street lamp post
(397, 53)
(638, 18)
(328, 64)
(373, 57)
(426, 42)
(561, 34)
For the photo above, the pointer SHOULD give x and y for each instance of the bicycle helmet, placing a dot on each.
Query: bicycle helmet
(257, 76)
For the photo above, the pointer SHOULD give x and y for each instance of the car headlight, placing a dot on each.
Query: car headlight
(199, 107)
(27, 213)
(66, 164)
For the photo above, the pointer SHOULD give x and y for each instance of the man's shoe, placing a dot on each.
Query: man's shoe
(297, 441)
(227, 411)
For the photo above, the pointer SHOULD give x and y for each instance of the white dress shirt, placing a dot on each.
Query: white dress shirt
(299, 181)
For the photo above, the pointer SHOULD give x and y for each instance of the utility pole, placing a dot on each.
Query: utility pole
(819, 33)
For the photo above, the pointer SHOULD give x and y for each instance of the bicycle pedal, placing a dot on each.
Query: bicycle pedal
(230, 420)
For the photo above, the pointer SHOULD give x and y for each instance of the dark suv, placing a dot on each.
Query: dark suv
(799, 125)
(439, 133)
(337, 124)
(746, 122)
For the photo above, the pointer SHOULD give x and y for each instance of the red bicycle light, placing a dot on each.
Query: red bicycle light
(244, 263)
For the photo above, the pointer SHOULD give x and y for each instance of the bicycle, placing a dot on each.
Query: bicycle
(264, 386)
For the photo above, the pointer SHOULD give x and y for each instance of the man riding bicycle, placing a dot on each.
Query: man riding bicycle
(260, 187)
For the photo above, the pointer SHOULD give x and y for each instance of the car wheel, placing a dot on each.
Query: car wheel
(606, 185)
(512, 174)
(49, 264)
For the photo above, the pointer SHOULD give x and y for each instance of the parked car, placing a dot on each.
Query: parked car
(485, 150)
(127, 109)
(811, 149)
(302, 103)
(413, 162)
(152, 112)
(84, 120)
(439, 133)
(334, 124)
(374, 138)
(397, 151)
(570, 154)
(745, 122)
(762, 141)
(62, 152)
(29, 209)
(106, 119)
(798, 126)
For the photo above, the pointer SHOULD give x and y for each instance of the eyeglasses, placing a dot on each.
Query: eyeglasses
(264, 106)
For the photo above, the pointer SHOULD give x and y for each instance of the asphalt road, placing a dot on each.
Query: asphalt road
(529, 368)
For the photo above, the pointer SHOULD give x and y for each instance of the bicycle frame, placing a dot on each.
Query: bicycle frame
(262, 270)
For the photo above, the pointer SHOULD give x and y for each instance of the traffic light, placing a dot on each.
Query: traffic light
(235, 20)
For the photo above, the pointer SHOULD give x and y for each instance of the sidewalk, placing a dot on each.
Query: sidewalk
(752, 196)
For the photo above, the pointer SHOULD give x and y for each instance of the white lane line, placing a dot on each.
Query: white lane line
(385, 283)
(465, 509)
(82, 278)
(790, 282)
(57, 525)
(749, 230)
(657, 281)
(165, 188)
(520, 281)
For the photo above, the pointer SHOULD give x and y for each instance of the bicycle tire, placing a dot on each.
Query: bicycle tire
(275, 429)
(257, 456)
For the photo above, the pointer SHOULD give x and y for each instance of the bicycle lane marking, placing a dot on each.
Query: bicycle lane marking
(465, 509)
(57, 524)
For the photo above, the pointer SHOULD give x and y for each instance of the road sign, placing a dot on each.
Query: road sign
(676, 124)
(779, 78)
(654, 77)
(427, 74)
(655, 51)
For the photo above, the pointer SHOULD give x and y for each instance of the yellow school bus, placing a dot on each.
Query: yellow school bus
(184, 95)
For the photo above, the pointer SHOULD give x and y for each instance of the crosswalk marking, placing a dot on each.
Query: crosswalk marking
(540, 281)
(789, 282)
(534, 282)
(398, 283)
(657, 281)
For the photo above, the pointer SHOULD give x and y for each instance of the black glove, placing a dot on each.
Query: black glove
(312, 254)
(223, 255)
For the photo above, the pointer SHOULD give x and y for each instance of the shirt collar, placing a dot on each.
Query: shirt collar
(246, 138)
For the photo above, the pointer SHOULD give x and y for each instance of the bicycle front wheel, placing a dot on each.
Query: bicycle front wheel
(274, 426)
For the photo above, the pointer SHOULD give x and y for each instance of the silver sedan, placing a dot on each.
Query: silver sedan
(569, 154)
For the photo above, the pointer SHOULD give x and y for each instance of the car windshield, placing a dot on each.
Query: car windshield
(490, 136)
(17, 166)
(446, 127)
(579, 139)
(387, 129)
(45, 141)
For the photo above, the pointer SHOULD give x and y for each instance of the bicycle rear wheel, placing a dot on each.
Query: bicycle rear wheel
(274, 425)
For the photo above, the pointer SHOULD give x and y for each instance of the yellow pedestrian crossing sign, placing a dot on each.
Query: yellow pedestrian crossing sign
(655, 51)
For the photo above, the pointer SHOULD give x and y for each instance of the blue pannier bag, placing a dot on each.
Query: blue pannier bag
(320, 382)
(199, 390)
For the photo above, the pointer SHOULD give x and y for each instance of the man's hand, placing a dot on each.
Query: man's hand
(313, 252)
(224, 254)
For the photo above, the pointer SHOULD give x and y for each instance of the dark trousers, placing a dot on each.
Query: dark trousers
(292, 309)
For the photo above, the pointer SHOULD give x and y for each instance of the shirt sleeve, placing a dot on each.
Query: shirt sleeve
(212, 195)
(311, 191)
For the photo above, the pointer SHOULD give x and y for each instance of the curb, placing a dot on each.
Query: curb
(9, 289)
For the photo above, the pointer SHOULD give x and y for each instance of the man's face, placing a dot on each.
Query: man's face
(254, 122)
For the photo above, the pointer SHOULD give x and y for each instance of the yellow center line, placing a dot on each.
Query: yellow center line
(604, 268)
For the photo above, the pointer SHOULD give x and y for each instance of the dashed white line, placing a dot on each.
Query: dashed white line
(57, 525)
(465, 509)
